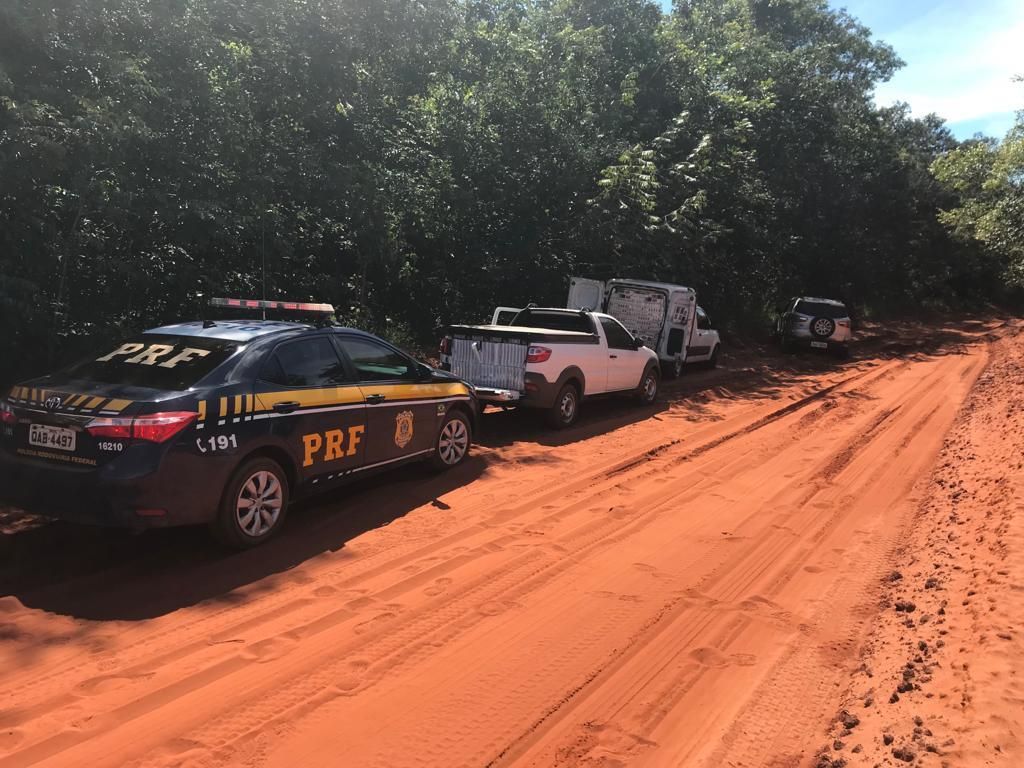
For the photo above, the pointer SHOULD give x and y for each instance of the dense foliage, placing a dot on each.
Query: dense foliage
(416, 162)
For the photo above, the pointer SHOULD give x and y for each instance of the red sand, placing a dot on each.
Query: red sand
(699, 584)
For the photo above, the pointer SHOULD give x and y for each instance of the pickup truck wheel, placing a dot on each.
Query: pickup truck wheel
(647, 393)
(566, 408)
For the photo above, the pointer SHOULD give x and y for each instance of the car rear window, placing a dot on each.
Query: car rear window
(554, 321)
(156, 360)
(821, 309)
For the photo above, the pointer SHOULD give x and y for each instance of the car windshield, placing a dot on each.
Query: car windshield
(155, 360)
(555, 321)
(821, 309)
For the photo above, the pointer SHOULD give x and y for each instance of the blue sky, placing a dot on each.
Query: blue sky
(961, 56)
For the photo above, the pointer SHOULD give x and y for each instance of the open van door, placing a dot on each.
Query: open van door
(504, 315)
(586, 294)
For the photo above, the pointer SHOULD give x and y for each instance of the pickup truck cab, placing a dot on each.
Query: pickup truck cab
(551, 358)
(664, 316)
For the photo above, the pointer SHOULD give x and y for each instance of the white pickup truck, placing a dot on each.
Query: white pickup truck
(551, 358)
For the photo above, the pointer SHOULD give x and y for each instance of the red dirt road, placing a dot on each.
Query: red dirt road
(685, 586)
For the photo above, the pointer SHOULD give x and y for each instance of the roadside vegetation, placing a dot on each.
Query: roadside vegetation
(417, 163)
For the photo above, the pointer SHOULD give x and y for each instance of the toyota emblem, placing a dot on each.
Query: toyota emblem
(53, 403)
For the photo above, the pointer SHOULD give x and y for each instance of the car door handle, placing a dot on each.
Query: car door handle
(286, 407)
(374, 399)
(613, 357)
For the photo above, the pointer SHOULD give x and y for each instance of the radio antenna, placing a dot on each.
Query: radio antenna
(263, 255)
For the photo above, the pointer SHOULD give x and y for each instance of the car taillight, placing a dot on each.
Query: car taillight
(537, 354)
(446, 345)
(843, 323)
(153, 427)
(7, 414)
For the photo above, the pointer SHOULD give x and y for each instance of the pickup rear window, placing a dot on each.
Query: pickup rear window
(159, 361)
(554, 321)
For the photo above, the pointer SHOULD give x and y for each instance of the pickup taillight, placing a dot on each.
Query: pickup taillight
(538, 354)
(843, 323)
(7, 415)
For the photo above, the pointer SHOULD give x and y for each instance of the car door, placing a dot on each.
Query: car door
(625, 361)
(700, 342)
(402, 410)
(586, 294)
(315, 408)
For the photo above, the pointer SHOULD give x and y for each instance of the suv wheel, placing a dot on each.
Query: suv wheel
(566, 408)
(823, 327)
(254, 504)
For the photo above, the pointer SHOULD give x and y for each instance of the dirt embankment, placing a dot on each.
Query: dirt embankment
(688, 585)
(942, 677)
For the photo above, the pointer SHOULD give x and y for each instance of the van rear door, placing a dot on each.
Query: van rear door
(586, 294)
(681, 312)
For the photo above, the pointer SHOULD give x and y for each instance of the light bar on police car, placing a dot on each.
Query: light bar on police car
(297, 306)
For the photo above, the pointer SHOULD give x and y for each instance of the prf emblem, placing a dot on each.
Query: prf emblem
(403, 428)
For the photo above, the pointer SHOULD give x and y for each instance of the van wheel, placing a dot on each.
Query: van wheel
(677, 367)
(453, 441)
(566, 408)
(713, 360)
(647, 392)
(254, 504)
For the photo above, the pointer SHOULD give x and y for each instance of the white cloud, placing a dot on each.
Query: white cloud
(961, 59)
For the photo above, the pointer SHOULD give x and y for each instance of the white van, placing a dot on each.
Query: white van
(664, 316)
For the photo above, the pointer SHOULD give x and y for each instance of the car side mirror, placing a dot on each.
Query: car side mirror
(424, 372)
(637, 344)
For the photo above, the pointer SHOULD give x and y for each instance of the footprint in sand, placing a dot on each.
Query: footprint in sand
(105, 683)
(438, 587)
(270, 649)
(325, 591)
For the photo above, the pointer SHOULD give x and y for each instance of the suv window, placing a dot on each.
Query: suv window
(554, 321)
(375, 362)
(305, 363)
(821, 309)
(160, 361)
(703, 321)
(618, 337)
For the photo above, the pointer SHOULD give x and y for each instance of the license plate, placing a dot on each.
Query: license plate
(819, 344)
(45, 436)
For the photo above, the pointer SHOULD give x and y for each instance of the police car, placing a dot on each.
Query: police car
(225, 422)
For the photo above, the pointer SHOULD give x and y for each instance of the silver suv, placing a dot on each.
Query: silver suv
(815, 323)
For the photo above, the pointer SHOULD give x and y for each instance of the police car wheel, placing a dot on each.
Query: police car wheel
(254, 504)
(453, 441)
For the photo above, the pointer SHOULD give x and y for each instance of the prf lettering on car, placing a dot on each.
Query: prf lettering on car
(149, 354)
(331, 443)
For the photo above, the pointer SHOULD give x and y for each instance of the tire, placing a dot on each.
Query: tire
(454, 439)
(566, 408)
(713, 360)
(823, 327)
(676, 371)
(647, 392)
(263, 484)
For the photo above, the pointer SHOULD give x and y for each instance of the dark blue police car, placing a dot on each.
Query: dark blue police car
(224, 422)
